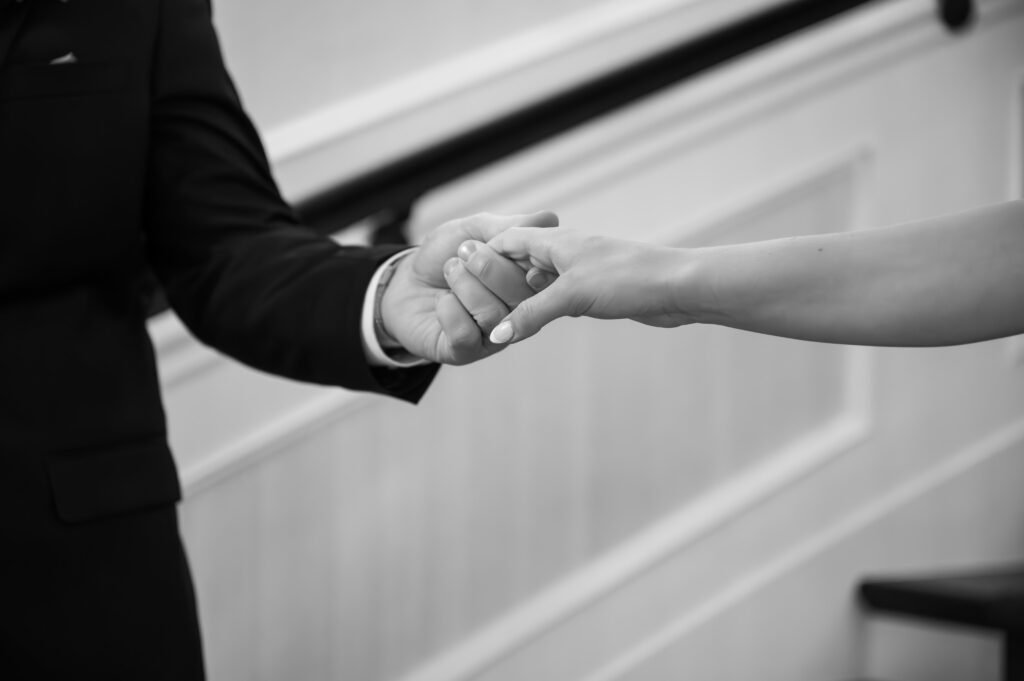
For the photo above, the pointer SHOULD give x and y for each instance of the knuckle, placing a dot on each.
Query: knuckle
(525, 308)
(577, 308)
(451, 227)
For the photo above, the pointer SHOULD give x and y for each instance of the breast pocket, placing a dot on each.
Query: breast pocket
(31, 81)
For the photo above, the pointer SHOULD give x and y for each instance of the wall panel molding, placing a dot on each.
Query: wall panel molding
(1005, 442)
(479, 656)
(633, 560)
(1015, 128)
(355, 133)
(854, 160)
(269, 439)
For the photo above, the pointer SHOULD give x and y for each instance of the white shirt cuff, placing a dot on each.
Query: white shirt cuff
(375, 354)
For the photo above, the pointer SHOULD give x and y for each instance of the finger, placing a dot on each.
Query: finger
(461, 341)
(527, 244)
(533, 314)
(503, 277)
(441, 244)
(486, 226)
(485, 307)
(542, 219)
(539, 279)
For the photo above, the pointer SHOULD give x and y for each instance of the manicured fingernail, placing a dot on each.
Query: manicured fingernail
(502, 333)
(450, 266)
(467, 249)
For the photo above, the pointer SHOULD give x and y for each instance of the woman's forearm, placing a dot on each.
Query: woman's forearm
(943, 281)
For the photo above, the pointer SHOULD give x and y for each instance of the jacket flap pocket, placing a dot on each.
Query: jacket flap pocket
(25, 81)
(93, 483)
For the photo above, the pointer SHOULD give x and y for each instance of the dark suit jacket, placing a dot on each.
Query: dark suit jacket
(139, 154)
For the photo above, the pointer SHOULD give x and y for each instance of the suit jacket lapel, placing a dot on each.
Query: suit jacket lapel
(12, 18)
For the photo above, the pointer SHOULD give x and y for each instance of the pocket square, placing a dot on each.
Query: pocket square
(68, 58)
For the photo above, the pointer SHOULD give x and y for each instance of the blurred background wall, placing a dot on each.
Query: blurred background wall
(609, 501)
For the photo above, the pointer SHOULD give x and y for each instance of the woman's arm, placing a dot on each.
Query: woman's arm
(942, 281)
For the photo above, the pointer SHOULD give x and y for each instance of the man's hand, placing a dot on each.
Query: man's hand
(440, 312)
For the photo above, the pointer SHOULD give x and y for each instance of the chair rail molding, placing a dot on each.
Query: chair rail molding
(269, 439)
(353, 134)
(350, 136)
(782, 74)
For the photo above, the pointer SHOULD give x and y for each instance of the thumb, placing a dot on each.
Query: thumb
(531, 315)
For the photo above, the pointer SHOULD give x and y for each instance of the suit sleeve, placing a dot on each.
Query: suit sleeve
(237, 266)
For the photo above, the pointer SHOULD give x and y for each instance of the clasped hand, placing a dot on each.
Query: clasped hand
(438, 311)
(481, 282)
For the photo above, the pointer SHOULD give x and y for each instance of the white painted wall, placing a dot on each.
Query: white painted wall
(610, 501)
(291, 58)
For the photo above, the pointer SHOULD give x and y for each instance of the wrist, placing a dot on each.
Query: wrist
(386, 310)
(691, 286)
(385, 338)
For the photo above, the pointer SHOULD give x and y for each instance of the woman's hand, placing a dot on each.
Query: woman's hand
(944, 280)
(584, 275)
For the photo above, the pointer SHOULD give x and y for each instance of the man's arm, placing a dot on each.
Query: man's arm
(237, 265)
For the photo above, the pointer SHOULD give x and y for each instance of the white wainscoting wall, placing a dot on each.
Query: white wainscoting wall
(609, 501)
